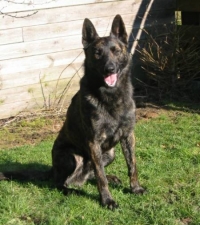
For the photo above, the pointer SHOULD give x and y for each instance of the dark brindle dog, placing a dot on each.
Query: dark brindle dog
(101, 114)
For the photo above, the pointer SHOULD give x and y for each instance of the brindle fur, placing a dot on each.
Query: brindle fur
(98, 117)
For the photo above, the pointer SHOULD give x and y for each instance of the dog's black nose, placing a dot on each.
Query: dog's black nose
(110, 68)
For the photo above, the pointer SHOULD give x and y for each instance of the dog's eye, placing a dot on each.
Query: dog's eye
(116, 51)
(97, 53)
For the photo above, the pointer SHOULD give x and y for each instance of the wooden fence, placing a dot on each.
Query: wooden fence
(41, 53)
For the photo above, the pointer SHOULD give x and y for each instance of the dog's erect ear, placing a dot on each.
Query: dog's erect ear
(89, 33)
(118, 29)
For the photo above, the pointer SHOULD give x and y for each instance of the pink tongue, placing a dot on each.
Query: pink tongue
(111, 79)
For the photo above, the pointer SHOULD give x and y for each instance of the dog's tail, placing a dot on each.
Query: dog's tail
(27, 175)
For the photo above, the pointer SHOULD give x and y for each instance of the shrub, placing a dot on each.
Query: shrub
(171, 61)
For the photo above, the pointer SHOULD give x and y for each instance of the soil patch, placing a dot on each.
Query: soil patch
(32, 129)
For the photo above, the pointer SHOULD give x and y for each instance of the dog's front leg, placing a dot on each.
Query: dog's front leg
(96, 156)
(128, 147)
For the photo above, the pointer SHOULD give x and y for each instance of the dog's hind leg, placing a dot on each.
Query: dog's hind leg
(68, 166)
(83, 172)
(84, 169)
(64, 165)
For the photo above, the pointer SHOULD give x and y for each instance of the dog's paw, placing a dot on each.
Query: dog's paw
(138, 190)
(113, 179)
(110, 204)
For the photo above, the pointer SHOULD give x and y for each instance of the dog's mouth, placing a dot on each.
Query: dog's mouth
(111, 79)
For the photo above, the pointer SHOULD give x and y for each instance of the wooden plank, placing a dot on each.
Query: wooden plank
(38, 5)
(188, 6)
(66, 28)
(46, 60)
(42, 46)
(71, 13)
(40, 61)
(57, 44)
(46, 90)
(13, 109)
(11, 36)
(54, 30)
(39, 47)
(101, 24)
(79, 12)
(18, 6)
(31, 105)
(41, 75)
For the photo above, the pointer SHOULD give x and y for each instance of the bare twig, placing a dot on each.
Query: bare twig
(171, 59)
(31, 2)
(16, 16)
(67, 66)
(63, 94)
(23, 2)
(43, 95)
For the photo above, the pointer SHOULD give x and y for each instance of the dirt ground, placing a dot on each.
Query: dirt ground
(32, 129)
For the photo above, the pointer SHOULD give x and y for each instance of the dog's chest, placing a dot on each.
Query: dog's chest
(112, 127)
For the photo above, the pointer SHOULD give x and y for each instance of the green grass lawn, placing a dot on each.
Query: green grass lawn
(168, 158)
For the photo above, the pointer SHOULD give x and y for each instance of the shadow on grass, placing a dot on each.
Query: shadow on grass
(16, 166)
(35, 173)
(190, 107)
(41, 176)
(118, 187)
(182, 106)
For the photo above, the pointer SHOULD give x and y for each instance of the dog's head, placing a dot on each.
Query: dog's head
(106, 57)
